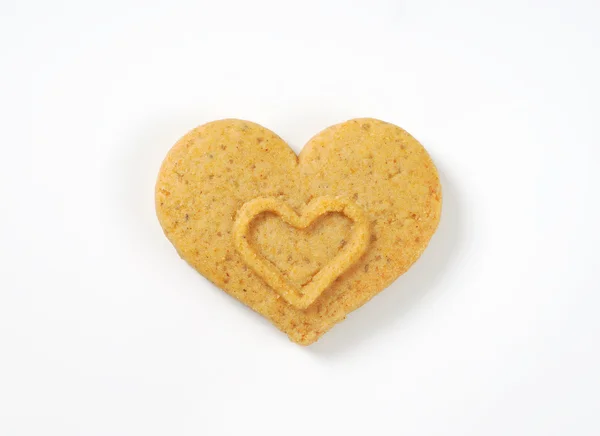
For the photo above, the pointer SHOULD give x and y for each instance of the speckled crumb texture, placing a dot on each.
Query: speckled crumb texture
(303, 240)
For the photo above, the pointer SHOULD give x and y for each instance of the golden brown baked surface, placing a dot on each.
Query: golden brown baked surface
(303, 240)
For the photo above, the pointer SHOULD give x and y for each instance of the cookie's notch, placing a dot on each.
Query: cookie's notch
(317, 207)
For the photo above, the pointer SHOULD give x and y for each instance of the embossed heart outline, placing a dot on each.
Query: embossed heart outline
(301, 297)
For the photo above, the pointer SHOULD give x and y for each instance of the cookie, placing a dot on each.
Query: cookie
(303, 240)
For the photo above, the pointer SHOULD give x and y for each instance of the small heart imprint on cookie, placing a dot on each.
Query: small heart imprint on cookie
(300, 253)
(349, 250)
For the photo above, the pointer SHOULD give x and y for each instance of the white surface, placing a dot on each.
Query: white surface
(105, 331)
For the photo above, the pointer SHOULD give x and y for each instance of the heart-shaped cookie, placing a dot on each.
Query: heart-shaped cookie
(362, 200)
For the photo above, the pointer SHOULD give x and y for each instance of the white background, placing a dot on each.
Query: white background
(105, 331)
